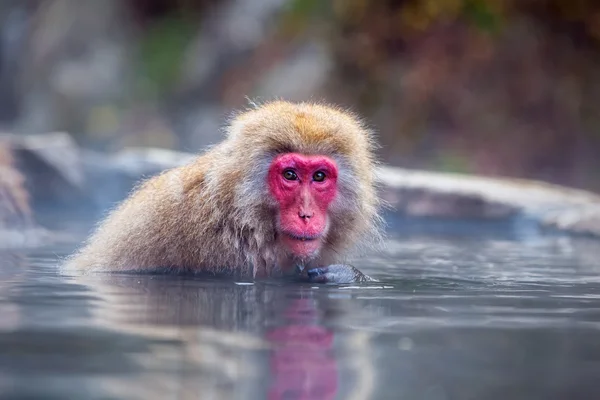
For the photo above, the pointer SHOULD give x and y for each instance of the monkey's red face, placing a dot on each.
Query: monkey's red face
(304, 187)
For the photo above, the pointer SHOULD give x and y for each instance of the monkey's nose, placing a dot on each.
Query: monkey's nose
(304, 215)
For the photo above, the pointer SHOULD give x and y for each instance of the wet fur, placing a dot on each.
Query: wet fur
(216, 214)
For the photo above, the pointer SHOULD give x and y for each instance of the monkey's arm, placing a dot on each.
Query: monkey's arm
(337, 273)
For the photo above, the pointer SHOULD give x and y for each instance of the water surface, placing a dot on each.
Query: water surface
(463, 315)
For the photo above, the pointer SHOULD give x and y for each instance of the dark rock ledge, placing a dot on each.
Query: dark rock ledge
(432, 194)
(51, 175)
(17, 227)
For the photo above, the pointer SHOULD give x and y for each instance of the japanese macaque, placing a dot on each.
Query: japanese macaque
(289, 192)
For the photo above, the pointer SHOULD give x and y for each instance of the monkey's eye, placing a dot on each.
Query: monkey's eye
(290, 175)
(319, 176)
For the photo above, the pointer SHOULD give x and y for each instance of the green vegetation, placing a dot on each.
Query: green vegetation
(161, 51)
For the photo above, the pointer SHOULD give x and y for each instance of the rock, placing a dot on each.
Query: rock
(60, 176)
(17, 226)
(14, 201)
(52, 165)
(421, 193)
(423, 202)
(58, 186)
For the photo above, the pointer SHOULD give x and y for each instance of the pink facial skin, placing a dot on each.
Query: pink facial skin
(294, 181)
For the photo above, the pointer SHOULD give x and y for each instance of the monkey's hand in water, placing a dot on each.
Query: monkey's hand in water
(337, 273)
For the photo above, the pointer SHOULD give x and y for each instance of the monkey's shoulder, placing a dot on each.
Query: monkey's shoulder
(181, 179)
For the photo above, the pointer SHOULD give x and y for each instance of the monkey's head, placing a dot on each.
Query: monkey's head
(306, 174)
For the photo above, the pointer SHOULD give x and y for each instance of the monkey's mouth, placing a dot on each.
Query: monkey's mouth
(302, 245)
(303, 238)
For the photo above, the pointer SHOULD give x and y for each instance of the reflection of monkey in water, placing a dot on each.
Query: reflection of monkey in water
(291, 187)
(303, 365)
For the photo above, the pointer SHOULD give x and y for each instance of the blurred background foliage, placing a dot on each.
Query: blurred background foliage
(497, 87)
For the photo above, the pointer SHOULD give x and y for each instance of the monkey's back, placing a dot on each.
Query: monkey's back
(170, 221)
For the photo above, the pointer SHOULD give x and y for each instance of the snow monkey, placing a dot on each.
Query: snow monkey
(289, 192)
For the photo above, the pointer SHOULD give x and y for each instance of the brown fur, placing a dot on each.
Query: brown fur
(216, 214)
